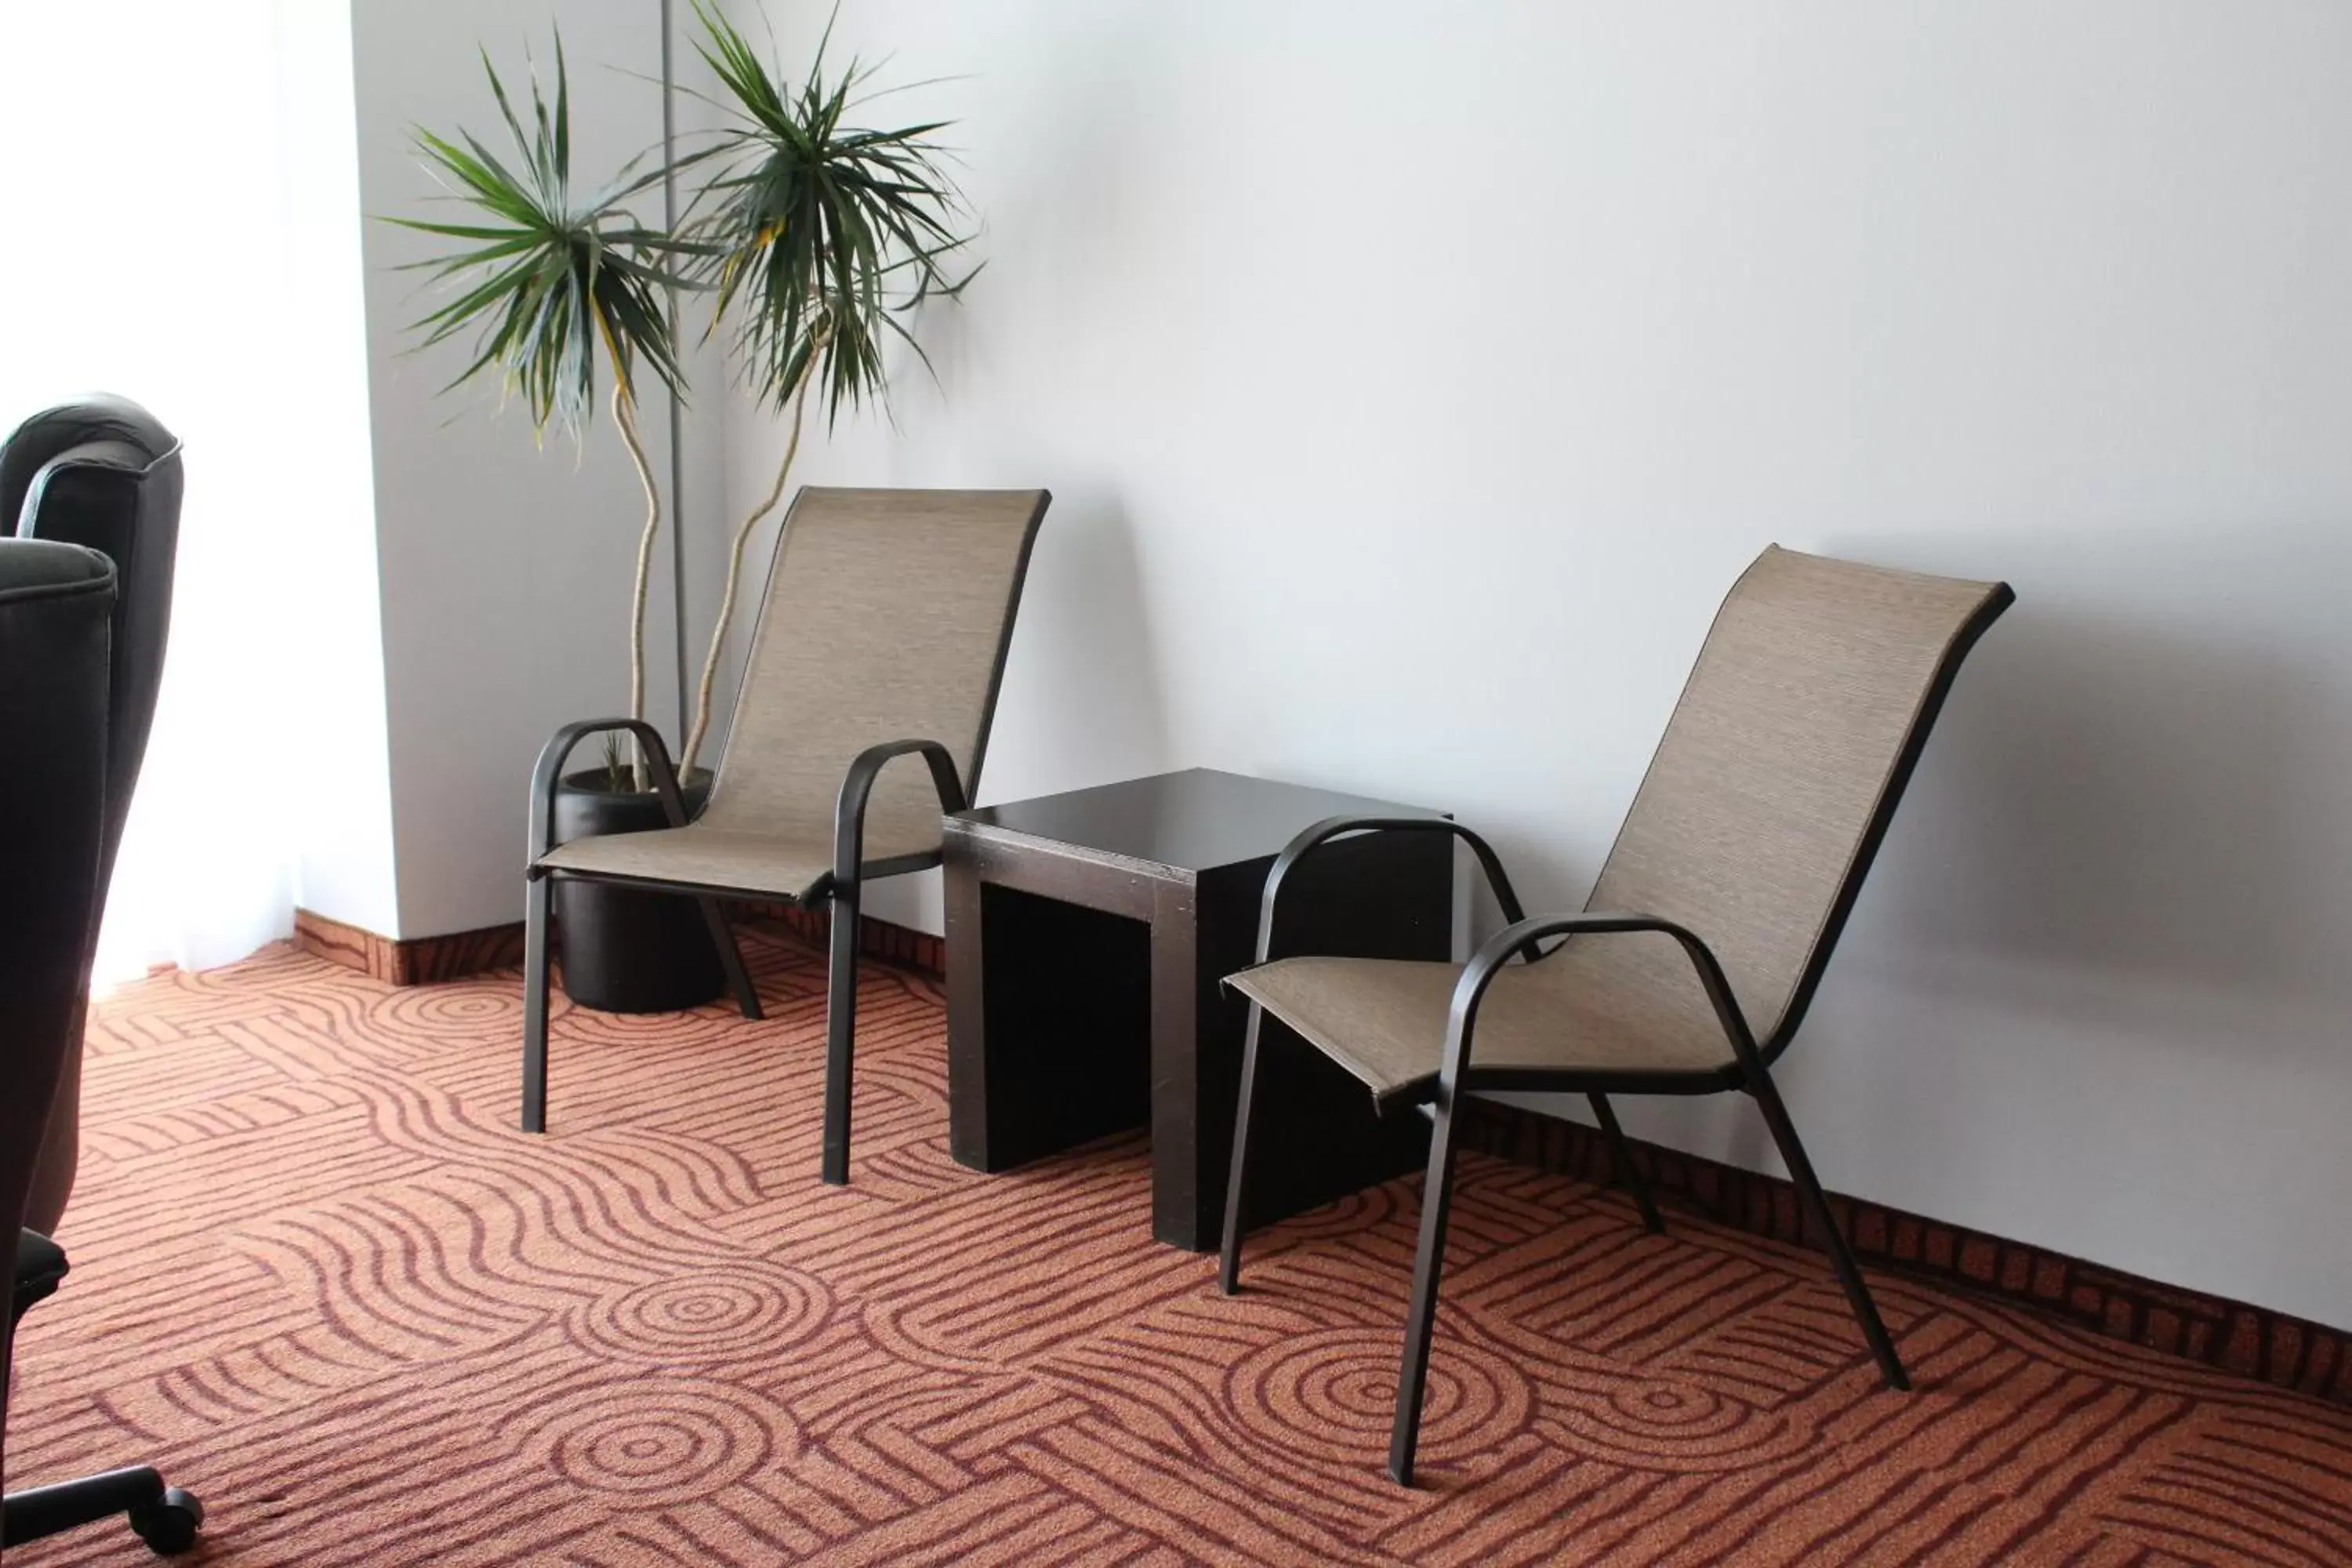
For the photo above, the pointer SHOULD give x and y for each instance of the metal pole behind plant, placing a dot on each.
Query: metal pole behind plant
(677, 403)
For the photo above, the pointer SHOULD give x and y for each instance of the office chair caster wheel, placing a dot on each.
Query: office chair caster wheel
(170, 1523)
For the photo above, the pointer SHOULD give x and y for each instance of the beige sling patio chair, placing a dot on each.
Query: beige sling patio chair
(1708, 932)
(883, 634)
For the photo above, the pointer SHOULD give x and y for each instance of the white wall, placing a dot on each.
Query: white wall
(505, 567)
(1412, 381)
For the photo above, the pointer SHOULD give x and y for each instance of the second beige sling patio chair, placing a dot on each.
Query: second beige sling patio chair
(1705, 936)
(883, 635)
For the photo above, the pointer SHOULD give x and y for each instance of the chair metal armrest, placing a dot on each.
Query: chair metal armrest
(1330, 828)
(858, 786)
(1462, 1015)
(543, 778)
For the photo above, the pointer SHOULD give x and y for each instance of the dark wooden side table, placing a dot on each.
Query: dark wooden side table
(1086, 935)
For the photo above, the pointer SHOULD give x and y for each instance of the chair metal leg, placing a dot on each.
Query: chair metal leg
(1229, 1268)
(731, 958)
(840, 1034)
(1421, 1316)
(1817, 1209)
(1620, 1157)
(534, 1005)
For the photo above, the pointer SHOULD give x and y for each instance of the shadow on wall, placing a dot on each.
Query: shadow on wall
(2131, 780)
(1083, 702)
(2126, 849)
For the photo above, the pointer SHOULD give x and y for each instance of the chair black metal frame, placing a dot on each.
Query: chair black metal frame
(1009, 521)
(1523, 938)
(843, 890)
(166, 1518)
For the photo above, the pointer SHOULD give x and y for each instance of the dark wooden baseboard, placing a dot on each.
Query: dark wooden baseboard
(2273, 1347)
(898, 944)
(423, 960)
(2289, 1351)
(407, 961)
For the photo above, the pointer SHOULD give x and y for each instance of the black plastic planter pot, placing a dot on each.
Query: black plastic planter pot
(625, 950)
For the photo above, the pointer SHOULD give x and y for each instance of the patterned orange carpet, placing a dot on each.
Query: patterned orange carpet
(322, 1280)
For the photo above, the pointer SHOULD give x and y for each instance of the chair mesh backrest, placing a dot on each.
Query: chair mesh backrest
(886, 617)
(1792, 736)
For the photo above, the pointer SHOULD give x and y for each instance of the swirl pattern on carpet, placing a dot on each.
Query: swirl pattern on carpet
(656, 1443)
(321, 1280)
(726, 1313)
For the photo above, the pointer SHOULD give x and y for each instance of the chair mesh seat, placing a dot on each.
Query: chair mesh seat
(781, 866)
(1616, 1003)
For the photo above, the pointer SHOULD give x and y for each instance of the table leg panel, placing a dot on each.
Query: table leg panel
(1048, 1025)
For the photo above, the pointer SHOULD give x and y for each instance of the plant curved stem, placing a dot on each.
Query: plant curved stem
(625, 415)
(735, 572)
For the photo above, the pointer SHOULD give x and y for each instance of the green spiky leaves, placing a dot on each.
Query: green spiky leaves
(543, 279)
(819, 236)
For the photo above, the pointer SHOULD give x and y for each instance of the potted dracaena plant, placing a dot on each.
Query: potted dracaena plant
(559, 283)
(817, 239)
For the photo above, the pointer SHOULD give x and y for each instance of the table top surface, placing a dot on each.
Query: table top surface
(1194, 821)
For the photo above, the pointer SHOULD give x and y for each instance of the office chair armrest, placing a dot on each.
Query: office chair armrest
(544, 776)
(1330, 828)
(1462, 1013)
(40, 1266)
(857, 786)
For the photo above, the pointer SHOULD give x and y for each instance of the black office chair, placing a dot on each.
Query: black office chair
(91, 489)
(100, 472)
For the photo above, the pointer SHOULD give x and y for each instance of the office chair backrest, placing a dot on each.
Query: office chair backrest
(101, 472)
(1783, 762)
(104, 472)
(54, 605)
(888, 616)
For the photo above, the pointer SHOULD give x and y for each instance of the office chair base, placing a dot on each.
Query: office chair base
(170, 1522)
(165, 1518)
